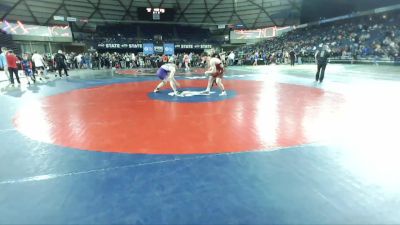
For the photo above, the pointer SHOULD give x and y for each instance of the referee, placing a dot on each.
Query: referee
(321, 57)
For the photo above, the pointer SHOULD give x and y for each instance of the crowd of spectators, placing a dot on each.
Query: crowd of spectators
(108, 60)
(141, 33)
(374, 38)
(42, 65)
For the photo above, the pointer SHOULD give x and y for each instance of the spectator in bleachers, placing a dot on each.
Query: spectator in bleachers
(353, 39)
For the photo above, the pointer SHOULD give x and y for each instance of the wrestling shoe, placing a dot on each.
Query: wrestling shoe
(178, 93)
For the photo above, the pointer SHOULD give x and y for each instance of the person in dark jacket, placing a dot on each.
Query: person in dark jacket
(60, 59)
(292, 56)
(321, 57)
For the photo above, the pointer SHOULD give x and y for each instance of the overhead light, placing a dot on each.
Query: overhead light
(221, 26)
(58, 18)
(71, 19)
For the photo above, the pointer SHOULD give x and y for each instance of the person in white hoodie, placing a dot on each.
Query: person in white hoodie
(133, 59)
(79, 60)
(231, 58)
(40, 65)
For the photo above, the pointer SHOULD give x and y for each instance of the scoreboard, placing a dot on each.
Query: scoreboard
(154, 14)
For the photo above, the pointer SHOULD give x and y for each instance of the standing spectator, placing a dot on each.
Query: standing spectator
(69, 60)
(322, 60)
(299, 57)
(89, 61)
(180, 59)
(223, 56)
(60, 59)
(255, 63)
(231, 59)
(76, 64)
(96, 61)
(122, 61)
(79, 60)
(141, 61)
(133, 58)
(26, 66)
(190, 59)
(264, 58)
(127, 61)
(3, 62)
(39, 64)
(186, 59)
(292, 56)
(12, 66)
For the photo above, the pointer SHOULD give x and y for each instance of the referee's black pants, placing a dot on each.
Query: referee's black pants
(62, 66)
(321, 70)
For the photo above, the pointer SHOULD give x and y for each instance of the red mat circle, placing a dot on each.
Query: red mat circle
(122, 118)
